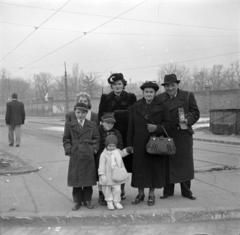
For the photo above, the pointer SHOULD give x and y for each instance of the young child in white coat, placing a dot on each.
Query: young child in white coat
(109, 157)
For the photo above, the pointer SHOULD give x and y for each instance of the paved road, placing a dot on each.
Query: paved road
(229, 227)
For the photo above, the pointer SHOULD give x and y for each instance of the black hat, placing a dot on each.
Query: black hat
(116, 77)
(81, 106)
(170, 79)
(111, 139)
(150, 84)
(108, 117)
(14, 96)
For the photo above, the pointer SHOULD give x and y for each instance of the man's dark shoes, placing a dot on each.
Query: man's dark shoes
(101, 199)
(76, 206)
(88, 204)
(151, 200)
(138, 199)
(191, 197)
(10, 144)
(164, 196)
(17, 145)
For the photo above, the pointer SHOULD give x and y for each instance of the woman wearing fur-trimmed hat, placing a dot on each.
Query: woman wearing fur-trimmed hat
(147, 116)
(118, 102)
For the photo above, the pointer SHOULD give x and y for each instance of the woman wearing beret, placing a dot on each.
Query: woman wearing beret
(180, 167)
(83, 97)
(147, 116)
(118, 102)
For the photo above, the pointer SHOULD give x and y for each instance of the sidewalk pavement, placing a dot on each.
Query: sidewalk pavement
(42, 197)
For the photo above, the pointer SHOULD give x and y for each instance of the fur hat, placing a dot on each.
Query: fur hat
(108, 117)
(111, 139)
(116, 77)
(150, 84)
(14, 96)
(170, 79)
(81, 106)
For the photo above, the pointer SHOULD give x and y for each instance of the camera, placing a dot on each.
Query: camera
(181, 116)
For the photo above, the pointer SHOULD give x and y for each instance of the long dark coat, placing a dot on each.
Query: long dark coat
(110, 103)
(15, 113)
(82, 170)
(181, 167)
(148, 171)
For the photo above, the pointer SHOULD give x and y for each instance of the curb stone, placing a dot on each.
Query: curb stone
(119, 218)
(217, 141)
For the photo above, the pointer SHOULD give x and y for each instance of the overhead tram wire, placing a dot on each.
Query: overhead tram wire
(123, 34)
(122, 18)
(85, 33)
(179, 62)
(36, 28)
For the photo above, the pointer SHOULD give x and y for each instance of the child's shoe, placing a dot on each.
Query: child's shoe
(110, 206)
(101, 199)
(118, 206)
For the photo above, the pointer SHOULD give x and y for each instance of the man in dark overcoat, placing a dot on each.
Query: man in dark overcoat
(14, 118)
(184, 113)
(81, 141)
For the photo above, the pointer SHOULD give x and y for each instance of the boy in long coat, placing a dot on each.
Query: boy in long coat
(81, 141)
(180, 167)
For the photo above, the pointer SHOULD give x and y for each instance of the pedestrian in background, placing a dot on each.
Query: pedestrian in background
(14, 118)
(184, 113)
(147, 117)
(106, 128)
(118, 102)
(81, 141)
(83, 97)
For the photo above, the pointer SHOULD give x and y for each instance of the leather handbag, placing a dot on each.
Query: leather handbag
(161, 145)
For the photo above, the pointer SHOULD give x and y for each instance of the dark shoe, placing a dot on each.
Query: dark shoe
(88, 204)
(191, 197)
(164, 196)
(123, 196)
(138, 199)
(76, 206)
(151, 200)
(10, 144)
(101, 200)
(17, 145)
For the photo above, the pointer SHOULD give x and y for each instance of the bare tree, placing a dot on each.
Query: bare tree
(91, 84)
(216, 77)
(43, 82)
(5, 88)
(200, 79)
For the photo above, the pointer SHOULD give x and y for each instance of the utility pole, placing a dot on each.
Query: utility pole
(66, 89)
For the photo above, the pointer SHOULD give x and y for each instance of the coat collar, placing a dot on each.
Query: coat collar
(123, 95)
(76, 128)
(178, 101)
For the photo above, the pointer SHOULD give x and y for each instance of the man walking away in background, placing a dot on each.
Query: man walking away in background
(15, 117)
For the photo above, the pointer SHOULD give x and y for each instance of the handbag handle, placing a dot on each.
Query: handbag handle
(165, 131)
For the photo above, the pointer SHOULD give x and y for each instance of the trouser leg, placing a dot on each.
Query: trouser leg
(87, 193)
(77, 194)
(185, 188)
(168, 190)
(11, 134)
(116, 192)
(107, 191)
(18, 134)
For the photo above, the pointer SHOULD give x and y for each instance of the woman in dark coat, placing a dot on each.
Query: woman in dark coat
(118, 102)
(83, 97)
(81, 141)
(147, 116)
(180, 167)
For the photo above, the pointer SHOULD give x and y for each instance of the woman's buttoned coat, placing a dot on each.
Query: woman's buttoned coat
(82, 142)
(181, 165)
(148, 171)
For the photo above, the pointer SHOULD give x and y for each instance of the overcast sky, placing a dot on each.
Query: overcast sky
(129, 36)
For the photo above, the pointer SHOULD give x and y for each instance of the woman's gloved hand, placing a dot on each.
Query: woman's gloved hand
(151, 128)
